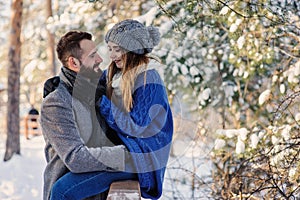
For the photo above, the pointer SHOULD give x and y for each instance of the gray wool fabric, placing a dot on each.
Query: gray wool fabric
(133, 36)
(74, 139)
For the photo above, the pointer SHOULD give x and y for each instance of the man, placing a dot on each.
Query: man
(74, 139)
(33, 111)
(31, 121)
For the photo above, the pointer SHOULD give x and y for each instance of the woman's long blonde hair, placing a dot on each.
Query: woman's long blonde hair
(131, 62)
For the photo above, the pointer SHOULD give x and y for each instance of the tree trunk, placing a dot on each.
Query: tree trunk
(13, 82)
(50, 49)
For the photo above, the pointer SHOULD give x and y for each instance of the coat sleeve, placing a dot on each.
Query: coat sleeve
(150, 107)
(60, 131)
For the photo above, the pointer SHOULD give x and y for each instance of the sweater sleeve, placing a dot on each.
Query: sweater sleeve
(149, 112)
(61, 134)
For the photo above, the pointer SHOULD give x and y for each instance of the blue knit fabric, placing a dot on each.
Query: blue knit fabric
(146, 130)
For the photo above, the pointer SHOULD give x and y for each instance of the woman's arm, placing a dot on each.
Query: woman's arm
(149, 112)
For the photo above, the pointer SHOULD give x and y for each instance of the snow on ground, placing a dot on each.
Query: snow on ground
(21, 178)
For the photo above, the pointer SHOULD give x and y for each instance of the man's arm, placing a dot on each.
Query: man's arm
(59, 129)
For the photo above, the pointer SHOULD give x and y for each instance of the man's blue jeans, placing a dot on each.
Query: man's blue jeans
(73, 186)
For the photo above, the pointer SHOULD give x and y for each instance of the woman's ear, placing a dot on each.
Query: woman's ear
(74, 64)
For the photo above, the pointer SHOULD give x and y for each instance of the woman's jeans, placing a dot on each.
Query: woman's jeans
(73, 186)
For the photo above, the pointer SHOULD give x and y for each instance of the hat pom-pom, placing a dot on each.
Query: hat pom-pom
(154, 34)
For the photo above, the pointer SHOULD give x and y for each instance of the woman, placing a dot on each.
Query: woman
(136, 108)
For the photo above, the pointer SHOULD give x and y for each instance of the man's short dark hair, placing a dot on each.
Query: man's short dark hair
(69, 45)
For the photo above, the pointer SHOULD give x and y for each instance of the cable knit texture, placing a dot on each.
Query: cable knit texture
(134, 36)
(146, 130)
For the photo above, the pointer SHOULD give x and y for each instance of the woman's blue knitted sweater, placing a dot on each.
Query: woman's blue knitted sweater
(146, 130)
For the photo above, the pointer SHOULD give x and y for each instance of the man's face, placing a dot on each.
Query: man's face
(90, 59)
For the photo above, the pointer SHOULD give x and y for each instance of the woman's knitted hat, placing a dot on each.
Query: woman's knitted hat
(134, 36)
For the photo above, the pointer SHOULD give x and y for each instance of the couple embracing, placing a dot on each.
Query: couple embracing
(105, 126)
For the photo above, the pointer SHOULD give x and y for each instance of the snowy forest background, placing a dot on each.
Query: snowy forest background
(232, 73)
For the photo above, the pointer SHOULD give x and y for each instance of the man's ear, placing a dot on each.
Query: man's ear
(74, 64)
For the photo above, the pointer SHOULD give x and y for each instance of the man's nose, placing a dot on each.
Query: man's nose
(99, 59)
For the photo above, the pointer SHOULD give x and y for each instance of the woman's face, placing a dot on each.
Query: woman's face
(116, 54)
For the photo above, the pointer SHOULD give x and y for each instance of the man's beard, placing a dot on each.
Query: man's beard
(91, 73)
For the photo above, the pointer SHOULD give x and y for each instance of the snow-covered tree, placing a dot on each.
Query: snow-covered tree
(240, 59)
